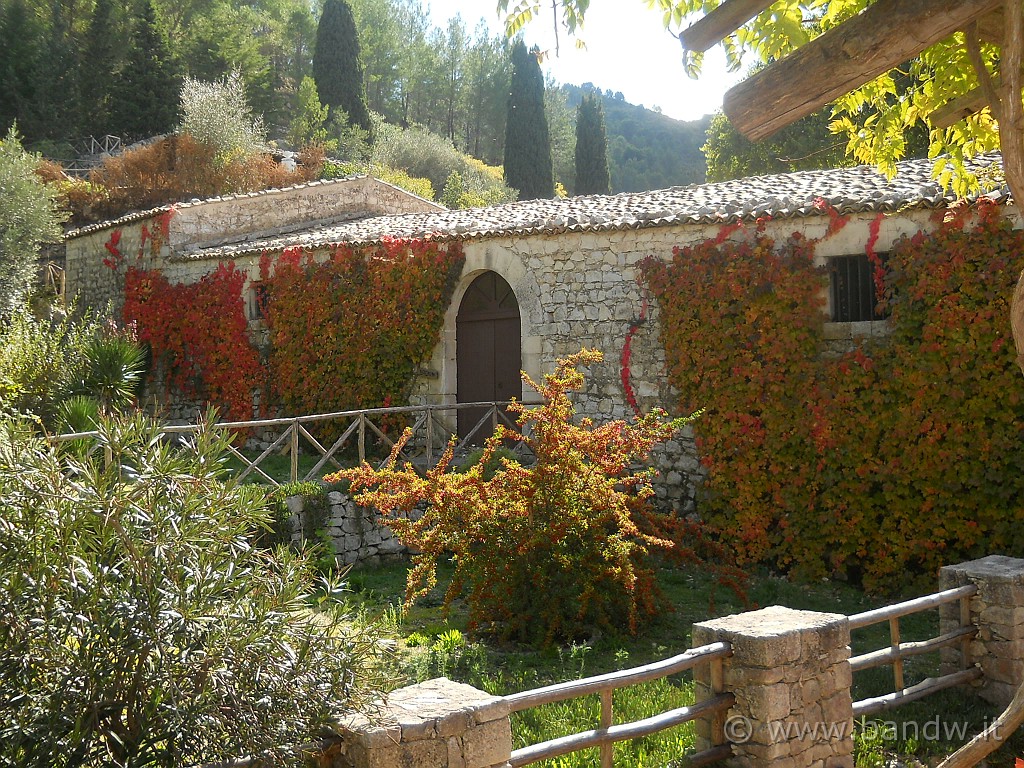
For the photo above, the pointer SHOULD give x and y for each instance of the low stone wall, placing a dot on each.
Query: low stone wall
(358, 534)
(789, 676)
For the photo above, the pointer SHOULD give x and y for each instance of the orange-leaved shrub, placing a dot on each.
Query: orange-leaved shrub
(879, 464)
(547, 552)
(177, 168)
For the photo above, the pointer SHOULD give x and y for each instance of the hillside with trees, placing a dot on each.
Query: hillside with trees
(646, 149)
(75, 70)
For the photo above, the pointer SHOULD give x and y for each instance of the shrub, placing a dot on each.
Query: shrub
(45, 361)
(547, 552)
(217, 115)
(28, 218)
(425, 154)
(177, 168)
(140, 627)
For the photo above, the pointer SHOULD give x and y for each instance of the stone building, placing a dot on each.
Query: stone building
(542, 278)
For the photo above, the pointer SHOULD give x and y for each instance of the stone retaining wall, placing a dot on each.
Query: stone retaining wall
(357, 533)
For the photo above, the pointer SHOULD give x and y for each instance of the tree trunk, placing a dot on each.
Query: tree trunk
(1011, 138)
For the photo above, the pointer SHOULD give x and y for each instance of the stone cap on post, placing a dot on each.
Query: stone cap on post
(997, 610)
(790, 675)
(435, 724)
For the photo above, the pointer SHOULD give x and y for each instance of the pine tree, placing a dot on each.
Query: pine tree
(337, 69)
(528, 166)
(592, 177)
(147, 87)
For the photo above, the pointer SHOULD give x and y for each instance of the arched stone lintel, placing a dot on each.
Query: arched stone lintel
(495, 257)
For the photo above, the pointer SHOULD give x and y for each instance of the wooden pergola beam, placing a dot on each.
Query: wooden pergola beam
(882, 37)
(721, 22)
(990, 28)
(956, 110)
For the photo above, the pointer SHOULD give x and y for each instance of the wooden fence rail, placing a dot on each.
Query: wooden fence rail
(608, 733)
(897, 651)
(433, 427)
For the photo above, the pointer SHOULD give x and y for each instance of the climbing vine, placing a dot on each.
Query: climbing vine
(346, 333)
(892, 458)
(198, 335)
(349, 332)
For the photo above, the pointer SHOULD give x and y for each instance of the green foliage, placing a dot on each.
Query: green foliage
(217, 115)
(421, 187)
(140, 627)
(806, 145)
(424, 154)
(28, 218)
(308, 125)
(880, 464)
(44, 361)
(549, 552)
(591, 149)
(349, 141)
(337, 68)
(875, 118)
(647, 150)
(528, 165)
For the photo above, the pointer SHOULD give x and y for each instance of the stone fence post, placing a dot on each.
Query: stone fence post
(998, 613)
(435, 724)
(790, 674)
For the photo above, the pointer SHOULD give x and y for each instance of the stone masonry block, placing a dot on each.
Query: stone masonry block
(418, 754)
(488, 744)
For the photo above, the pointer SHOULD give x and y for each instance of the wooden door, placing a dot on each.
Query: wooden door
(488, 355)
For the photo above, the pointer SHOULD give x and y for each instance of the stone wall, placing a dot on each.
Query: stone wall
(574, 289)
(163, 237)
(357, 533)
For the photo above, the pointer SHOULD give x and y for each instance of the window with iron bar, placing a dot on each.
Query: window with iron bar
(852, 296)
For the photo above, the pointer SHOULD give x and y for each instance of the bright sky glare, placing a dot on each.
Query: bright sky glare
(628, 50)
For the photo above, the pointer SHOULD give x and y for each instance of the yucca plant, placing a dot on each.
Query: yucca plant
(114, 370)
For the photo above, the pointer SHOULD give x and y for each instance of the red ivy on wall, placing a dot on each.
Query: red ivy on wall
(349, 332)
(198, 335)
(899, 456)
(344, 334)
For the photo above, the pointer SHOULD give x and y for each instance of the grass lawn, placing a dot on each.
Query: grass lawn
(433, 644)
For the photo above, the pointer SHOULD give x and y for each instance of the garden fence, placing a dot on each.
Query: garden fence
(433, 426)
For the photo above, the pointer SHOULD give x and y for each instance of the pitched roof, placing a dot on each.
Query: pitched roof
(134, 216)
(789, 195)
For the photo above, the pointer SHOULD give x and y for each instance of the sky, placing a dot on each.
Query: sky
(628, 50)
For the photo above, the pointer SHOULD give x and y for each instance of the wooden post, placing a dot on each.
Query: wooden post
(894, 642)
(844, 58)
(295, 450)
(362, 437)
(608, 749)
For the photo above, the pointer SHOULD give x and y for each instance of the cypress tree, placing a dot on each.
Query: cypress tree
(337, 68)
(528, 166)
(592, 177)
(146, 98)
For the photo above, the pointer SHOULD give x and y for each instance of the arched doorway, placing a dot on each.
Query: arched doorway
(488, 353)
